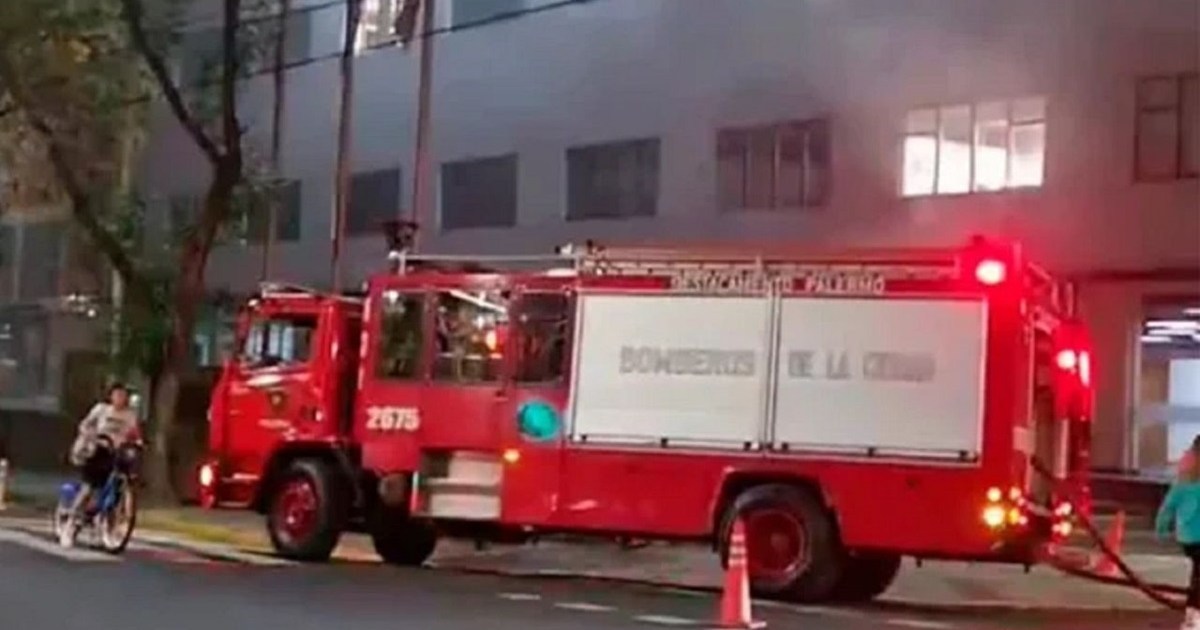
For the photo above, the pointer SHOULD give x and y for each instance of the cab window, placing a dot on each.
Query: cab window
(472, 328)
(400, 324)
(279, 340)
(543, 320)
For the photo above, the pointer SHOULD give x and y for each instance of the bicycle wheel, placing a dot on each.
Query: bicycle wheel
(116, 525)
(62, 512)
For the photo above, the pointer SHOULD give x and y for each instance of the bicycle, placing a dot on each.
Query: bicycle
(111, 512)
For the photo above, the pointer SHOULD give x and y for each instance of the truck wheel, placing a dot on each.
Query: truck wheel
(793, 550)
(306, 512)
(867, 576)
(399, 539)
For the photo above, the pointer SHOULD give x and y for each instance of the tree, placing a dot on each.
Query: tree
(77, 82)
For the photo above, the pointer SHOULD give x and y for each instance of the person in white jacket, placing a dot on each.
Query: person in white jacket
(116, 421)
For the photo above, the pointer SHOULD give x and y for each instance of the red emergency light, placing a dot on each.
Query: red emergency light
(991, 272)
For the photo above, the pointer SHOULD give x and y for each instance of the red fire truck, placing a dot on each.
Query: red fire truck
(850, 407)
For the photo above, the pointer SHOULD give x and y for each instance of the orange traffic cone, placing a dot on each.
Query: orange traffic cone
(735, 598)
(1114, 539)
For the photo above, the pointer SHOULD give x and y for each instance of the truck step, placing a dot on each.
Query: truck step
(463, 505)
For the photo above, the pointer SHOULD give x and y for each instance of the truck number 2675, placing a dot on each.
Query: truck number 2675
(393, 419)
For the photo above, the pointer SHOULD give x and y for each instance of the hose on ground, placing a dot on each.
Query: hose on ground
(1160, 593)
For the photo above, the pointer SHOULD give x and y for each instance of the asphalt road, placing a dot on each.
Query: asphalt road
(156, 586)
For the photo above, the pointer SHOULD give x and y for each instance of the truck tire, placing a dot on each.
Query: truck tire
(867, 576)
(307, 511)
(793, 549)
(399, 539)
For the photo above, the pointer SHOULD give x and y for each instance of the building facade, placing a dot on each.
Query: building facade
(1070, 126)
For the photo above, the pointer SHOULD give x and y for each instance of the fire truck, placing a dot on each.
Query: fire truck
(850, 408)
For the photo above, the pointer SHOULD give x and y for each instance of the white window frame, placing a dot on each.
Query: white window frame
(1013, 126)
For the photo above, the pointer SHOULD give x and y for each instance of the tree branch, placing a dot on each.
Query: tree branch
(231, 130)
(133, 14)
(80, 201)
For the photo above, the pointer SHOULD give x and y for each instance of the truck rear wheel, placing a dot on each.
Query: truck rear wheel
(793, 550)
(867, 576)
(400, 539)
(307, 511)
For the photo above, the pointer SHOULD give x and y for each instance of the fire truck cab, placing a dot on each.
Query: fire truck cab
(850, 408)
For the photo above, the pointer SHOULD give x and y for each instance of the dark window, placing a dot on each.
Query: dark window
(8, 260)
(24, 349)
(280, 340)
(472, 328)
(41, 259)
(374, 198)
(183, 211)
(468, 11)
(544, 318)
(614, 180)
(199, 58)
(287, 217)
(1167, 143)
(774, 166)
(479, 193)
(401, 321)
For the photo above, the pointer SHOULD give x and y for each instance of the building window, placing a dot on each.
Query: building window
(8, 261)
(784, 165)
(479, 193)
(287, 215)
(198, 56)
(1167, 145)
(377, 23)
(182, 212)
(615, 180)
(374, 199)
(470, 11)
(983, 147)
(42, 248)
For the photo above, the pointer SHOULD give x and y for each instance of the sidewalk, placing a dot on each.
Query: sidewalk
(943, 585)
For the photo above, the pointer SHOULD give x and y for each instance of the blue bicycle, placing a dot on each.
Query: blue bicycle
(111, 512)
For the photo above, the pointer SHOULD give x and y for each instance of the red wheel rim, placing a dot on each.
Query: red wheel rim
(296, 510)
(776, 545)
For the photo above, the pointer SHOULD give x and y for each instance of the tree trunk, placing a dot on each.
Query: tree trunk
(186, 299)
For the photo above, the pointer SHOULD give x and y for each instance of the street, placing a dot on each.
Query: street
(164, 583)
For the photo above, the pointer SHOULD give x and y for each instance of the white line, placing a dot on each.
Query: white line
(520, 597)
(917, 623)
(584, 606)
(666, 620)
(217, 551)
(74, 554)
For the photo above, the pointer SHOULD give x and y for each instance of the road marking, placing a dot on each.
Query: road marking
(520, 597)
(73, 554)
(220, 552)
(584, 606)
(918, 623)
(666, 620)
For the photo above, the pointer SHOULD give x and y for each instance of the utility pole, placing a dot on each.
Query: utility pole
(341, 189)
(422, 194)
(285, 9)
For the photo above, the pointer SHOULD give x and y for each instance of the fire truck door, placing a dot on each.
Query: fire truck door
(271, 392)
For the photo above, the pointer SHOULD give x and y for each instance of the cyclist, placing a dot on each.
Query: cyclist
(106, 428)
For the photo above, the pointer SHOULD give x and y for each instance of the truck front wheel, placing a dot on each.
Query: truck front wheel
(793, 550)
(307, 511)
(400, 539)
(867, 576)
